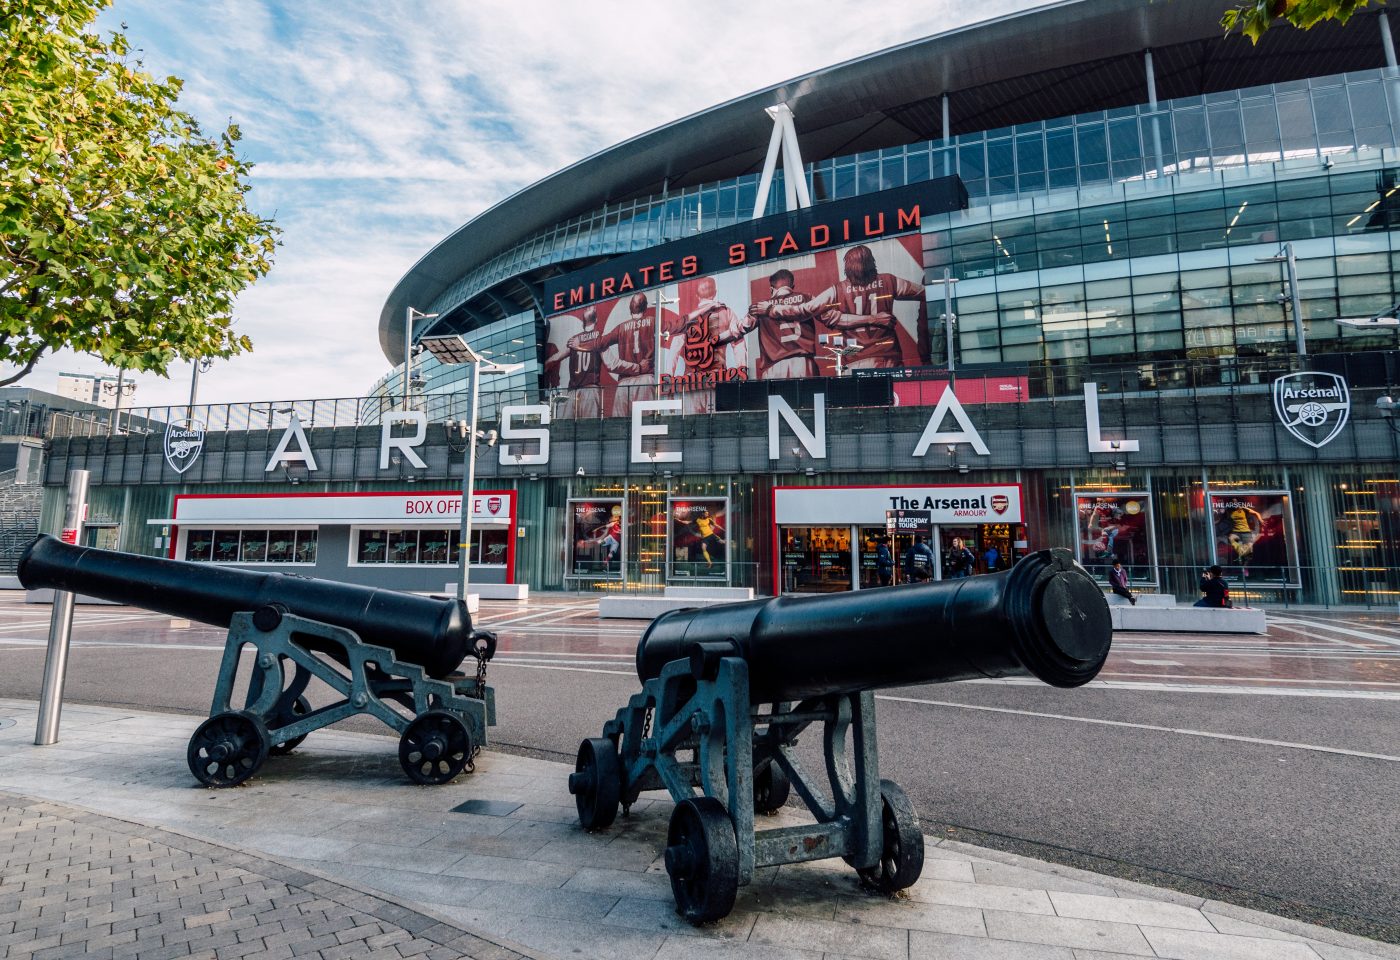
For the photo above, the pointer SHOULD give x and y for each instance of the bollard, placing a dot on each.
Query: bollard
(61, 623)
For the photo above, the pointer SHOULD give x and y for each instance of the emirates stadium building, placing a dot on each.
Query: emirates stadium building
(1094, 275)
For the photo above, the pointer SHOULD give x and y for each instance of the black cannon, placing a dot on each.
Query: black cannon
(727, 689)
(402, 672)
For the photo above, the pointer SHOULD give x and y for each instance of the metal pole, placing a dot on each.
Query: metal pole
(117, 410)
(1152, 105)
(1388, 45)
(61, 623)
(1292, 263)
(407, 350)
(194, 385)
(947, 141)
(468, 485)
(948, 316)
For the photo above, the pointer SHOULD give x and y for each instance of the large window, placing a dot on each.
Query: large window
(428, 546)
(254, 545)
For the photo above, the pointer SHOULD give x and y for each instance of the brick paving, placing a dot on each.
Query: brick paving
(76, 884)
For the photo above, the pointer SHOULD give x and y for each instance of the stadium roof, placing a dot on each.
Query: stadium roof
(1051, 61)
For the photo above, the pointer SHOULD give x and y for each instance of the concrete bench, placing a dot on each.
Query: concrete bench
(728, 594)
(493, 591)
(1143, 600)
(1187, 619)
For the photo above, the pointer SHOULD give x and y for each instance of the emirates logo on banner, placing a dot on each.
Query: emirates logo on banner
(1000, 502)
(494, 505)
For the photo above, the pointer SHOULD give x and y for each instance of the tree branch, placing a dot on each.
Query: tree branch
(28, 369)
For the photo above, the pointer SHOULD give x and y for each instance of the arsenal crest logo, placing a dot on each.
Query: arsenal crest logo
(1000, 502)
(1312, 406)
(184, 439)
(494, 505)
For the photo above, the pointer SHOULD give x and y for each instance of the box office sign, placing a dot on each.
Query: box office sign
(943, 504)
(489, 507)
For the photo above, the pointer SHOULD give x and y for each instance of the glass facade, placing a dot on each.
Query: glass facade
(1232, 129)
(1172, 271)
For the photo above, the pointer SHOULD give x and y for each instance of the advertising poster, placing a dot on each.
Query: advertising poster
(1116, 526)
(595, 538)
(604, 354)
(698, 545)
(784, 318)
(1253, 536)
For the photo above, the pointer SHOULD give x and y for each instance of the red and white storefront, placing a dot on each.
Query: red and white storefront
(401, 540)
(824, 538)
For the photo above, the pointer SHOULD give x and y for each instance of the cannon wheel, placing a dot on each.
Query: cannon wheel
(597, 783)
(902, 846)
(702, 859)
(228, 748)
(300, 708)
(435, 748)
(771, 788)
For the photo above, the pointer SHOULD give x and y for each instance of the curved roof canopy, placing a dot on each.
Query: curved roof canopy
(1052, 61)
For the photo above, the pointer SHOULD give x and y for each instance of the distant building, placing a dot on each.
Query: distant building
(90, 389)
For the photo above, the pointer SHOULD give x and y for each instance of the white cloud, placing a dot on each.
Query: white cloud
(379, 127)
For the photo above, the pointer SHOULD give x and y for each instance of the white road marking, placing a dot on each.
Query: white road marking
(1183, 731)
(1362, 634)
(1158, 663)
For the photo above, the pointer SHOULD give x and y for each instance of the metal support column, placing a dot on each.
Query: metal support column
(947, 141)
(61, 622)
(1392, 75)
(1292, 263)
(1152, 105)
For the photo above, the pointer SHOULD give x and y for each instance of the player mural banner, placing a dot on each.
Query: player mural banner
(1117, 526)
(784, 318)
(698, 547)
(596, 539)
(1254, 537)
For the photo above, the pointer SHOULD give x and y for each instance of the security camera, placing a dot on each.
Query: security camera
(491, 438)
(797, 451)
(580, 472)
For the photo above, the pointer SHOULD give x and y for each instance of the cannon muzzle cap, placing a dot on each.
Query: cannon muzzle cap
(1064, 636)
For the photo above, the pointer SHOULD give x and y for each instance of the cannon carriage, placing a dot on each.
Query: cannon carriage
(727, 690)
(390, 655)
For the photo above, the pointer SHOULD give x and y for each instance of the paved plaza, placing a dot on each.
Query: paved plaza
(108, 848)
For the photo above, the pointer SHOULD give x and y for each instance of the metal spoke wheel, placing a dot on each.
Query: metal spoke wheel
(435, 748)
(702, 859)
(770, 788)
(596, 783)
(300, 708)
(228, 748)
(902, 845)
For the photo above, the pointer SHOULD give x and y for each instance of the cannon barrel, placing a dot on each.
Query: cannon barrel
(433, 632)
(1045, 617)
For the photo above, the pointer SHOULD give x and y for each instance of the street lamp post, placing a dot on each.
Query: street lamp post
(949, 318)
(121, 389)
(410, 314)
(201, 365)
(1286, 257)
(453, 349)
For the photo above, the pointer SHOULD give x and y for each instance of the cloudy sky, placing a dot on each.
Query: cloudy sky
(379, 127)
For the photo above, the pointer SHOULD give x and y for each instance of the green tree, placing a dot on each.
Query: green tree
(124, 231)
(1252, 19)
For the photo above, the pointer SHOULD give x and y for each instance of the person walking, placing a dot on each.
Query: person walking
(918, 561)
(961, 560)
(884, 561)
(1216, 591)
(1118, 582)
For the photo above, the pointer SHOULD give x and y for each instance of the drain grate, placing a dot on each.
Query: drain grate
(487, 808)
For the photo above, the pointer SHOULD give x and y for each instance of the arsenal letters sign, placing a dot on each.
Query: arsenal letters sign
(826, 225)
